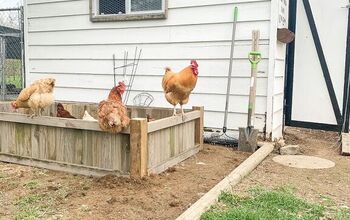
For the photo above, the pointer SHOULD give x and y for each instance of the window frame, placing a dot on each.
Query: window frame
(129, 15)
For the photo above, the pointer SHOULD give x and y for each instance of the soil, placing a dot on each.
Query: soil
(314, 185)
(303, 162)
(166, 196)
(66, 196)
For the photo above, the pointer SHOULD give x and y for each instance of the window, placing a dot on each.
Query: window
(121, 10)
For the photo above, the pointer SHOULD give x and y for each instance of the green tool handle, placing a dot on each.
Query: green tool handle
(254, 58)
(235, 14)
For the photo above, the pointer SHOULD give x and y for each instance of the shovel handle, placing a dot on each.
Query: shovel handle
(254, 58)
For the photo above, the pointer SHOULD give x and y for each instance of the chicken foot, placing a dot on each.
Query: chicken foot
(182, 113)
(174, 114)
(36, 112)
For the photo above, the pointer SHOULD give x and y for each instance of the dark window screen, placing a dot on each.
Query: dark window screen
(146, 5)
(112, 7)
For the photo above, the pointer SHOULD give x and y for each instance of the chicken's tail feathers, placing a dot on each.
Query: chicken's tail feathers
(167, 69)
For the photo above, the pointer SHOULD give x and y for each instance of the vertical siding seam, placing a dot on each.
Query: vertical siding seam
(271, 69)
(26, 42)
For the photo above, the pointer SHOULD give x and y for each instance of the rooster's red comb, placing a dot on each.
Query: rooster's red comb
(194, 63)
(121, 83)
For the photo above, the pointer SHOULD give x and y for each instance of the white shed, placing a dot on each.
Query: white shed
(73, 41)
(318, 88)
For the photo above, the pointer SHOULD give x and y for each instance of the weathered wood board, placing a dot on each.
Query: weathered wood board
(345, 142)
(166, 144)
(72, 146)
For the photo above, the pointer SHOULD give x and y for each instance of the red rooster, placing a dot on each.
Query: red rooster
(178, 86)
(112, 113)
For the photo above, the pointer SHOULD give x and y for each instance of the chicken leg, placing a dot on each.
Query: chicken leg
(183, 114)
(33, 113)
(174, 114)
(41, 112)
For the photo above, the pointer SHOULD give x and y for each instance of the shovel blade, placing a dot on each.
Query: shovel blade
(248, 139)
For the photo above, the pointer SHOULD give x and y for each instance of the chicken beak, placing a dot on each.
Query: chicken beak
(111, 124)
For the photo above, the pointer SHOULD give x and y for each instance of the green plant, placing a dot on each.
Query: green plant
(264, 204)
(32, 207)
(31, 185)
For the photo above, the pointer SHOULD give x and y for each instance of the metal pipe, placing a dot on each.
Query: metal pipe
(23, 70)
(2, 66)
(235, 15)
(126, 99)
(136, 64)
(10, 9)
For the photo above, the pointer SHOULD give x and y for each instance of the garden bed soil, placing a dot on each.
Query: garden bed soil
(56, 195)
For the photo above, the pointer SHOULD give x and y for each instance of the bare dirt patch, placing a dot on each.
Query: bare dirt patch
(314, 185)
(26, 191)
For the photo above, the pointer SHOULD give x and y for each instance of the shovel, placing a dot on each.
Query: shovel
(248, 137)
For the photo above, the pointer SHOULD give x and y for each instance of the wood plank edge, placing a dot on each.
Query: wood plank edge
(210, 198)
(54, 122)
(60, 166)
(345, 144)
(172, 121)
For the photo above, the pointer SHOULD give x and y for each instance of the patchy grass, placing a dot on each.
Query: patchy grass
(32, 207)
(13, 67)
(31, 185)
(342, 214)
(15, 80)
(13, 72)
(279, 204)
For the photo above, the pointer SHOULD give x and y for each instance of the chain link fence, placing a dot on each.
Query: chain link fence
(11, 51)
(108, 7)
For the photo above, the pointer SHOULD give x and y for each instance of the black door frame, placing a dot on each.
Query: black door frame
(342, 125)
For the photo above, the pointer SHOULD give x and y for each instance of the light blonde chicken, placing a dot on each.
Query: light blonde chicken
(36, 97)
(88, 117)
(178, 86)
(112, 113)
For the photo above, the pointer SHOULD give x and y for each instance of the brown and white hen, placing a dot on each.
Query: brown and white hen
(112, 113)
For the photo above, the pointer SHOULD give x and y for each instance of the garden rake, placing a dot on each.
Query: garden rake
(224, 138)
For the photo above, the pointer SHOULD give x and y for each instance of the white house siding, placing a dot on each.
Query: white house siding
(278, 92)
(62, 42)
(277, 75)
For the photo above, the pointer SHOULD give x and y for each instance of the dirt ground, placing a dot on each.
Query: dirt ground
(53, 195)
(314, 185)
(26, 191)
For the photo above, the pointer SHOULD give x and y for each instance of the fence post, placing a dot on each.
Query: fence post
(11, 51)
(199, 126)
(23, 55)
(2, 66)
(138, 147)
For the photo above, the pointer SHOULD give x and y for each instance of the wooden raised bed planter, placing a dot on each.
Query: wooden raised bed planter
(78, 146)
